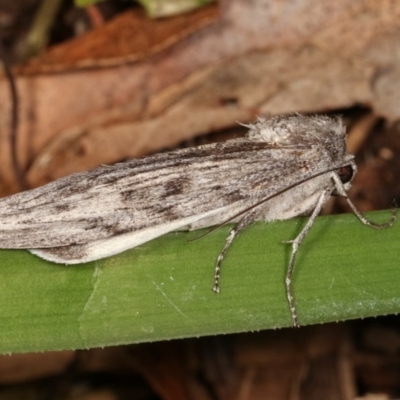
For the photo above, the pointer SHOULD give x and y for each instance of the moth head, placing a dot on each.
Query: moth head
(346, 173)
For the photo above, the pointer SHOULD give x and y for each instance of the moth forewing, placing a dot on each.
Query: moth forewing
(284, 167)
(102, 248)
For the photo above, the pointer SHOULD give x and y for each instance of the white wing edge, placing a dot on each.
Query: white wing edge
(117, 244)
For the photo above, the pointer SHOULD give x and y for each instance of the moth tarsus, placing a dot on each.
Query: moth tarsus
(296, 242)
(295, 246)
(285, 167)
(340, 189)
(361, 217)
(339, 177)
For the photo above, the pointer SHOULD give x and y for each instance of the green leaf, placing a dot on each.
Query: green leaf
(85, 3)
(162, 289)
(167, 8)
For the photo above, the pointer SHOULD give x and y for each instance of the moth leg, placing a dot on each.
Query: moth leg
(342, 191)
(295, 246)
(250, 217)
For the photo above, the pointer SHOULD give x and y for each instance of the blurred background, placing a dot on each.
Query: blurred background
(99, 82)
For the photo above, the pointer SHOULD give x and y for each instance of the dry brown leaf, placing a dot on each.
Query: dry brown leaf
(270, 57)
(30, 366)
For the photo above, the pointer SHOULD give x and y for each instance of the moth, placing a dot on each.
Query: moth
(286, 166)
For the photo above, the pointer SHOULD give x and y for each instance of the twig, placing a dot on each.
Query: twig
(19, 175)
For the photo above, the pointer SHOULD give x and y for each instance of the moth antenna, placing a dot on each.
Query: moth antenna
(259, 203)
(214, 228)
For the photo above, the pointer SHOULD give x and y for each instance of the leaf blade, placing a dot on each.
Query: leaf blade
(162, 290)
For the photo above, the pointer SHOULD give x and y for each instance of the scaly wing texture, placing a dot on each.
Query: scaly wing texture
(140, 194)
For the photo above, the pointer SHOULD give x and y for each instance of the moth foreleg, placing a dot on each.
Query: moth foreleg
(295, 246)
(342, 191)
(250, 217)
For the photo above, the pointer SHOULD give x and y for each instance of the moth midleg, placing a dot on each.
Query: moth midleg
(250, 217)
(295, 246)
(342, 191)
